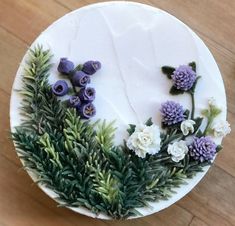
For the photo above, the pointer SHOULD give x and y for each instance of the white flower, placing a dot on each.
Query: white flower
(221, 128)
(212, 101)
(145, 139)
(187, 127)
(177, 150)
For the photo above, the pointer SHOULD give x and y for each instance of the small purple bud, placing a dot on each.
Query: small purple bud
(87, 111)
(80, 79)
(87, 95)
(65, 66)
(74, 101)
(90, 67)
(60, 88)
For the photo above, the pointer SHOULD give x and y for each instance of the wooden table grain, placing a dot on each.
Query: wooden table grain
(212, 202)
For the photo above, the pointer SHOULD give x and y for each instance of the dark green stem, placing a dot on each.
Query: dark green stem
(193, 105)
(207, 126)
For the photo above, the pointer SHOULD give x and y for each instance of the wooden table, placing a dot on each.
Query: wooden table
(212, 202)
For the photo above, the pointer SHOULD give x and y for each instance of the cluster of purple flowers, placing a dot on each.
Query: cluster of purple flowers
(82, 100)
(202, 149)
(172, 113)
(184, 77)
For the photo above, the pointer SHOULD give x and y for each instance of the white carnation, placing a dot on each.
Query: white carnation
(221, 128)
(187, 127)
(145, 139)
(177, 150)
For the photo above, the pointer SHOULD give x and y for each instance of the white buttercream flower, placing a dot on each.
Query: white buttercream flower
(145, 139)
(221, 128)
(212, 101)
(177, 150)
(187, 126)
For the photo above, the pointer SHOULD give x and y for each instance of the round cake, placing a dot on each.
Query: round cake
(151, 110)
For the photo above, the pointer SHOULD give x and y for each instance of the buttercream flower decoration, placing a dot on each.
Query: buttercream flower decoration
(145, 140)
(65, 66)
(87, 94)
(202, 149)
(177, 150)
(172, 113)
(187, 126)
(221, 128)
(184, 77)
(60, 88)
(80, 79)
(74, 101)
(87, 111)
(90, 67)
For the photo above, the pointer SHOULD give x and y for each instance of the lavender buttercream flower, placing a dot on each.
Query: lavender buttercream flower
(60, 88)
(65, 66)
(172, 113)
(184, 77)
(74, 101)
(87, 111)
(202, 149)
(87, 94)
(80, 79)
(90, 67)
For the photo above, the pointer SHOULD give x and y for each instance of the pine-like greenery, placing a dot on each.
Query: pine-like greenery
(78, 160)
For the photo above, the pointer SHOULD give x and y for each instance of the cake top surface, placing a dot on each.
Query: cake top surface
(133, 41)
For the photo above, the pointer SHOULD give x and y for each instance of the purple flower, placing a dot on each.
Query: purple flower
(81, 79)
(87, 95)
(60, 88)
(74, 101)
(65, 66)
(184, 77)
(87, 111)
(202, 149)
(172, 113)
(90, 67)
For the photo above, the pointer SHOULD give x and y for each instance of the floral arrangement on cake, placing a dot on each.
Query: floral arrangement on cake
(77, 158)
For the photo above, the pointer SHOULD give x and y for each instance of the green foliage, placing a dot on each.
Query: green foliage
(193, 65)
(78, 159)
(168, 71)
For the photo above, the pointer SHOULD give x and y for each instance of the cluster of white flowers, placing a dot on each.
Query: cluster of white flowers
(145, 139)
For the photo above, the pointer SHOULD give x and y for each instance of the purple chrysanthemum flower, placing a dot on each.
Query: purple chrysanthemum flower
(87, 94)
(184, 77)
(90, 67)
(87, 111)
(172, 113)
(65, 66)
(60, 88)
(202, 149)
(81, 79)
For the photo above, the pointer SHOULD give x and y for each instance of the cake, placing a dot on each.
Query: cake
(138, 54)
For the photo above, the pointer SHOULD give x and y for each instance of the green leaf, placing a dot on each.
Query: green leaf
(175, 91)
(198, 122)
(186, 113)
(131, 129)
(199, 133)
(149, 122)
(219, 148)
(193, 65)
(168, 71)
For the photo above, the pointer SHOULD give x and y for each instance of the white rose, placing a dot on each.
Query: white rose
(145, 139)
(177, 150)
(221, 128)
(187, 127)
